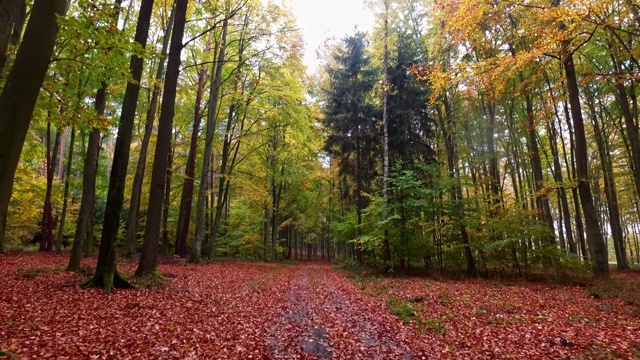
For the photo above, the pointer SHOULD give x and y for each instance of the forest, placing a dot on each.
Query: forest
(459, 139)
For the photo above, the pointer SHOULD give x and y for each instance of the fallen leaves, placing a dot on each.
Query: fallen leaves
(482, 319)
(233, 310)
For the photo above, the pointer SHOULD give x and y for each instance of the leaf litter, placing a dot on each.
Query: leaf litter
(237, 310)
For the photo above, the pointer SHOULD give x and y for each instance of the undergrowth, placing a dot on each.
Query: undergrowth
(36, 272)
(148, 281)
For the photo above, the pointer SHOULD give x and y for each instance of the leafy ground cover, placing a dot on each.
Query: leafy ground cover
(234, 310)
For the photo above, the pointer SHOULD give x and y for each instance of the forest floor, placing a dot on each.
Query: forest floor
(236, 310)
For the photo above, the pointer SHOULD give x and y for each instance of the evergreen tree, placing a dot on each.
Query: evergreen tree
(352, 120)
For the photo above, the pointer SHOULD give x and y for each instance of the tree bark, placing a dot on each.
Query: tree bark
(149, 259)
(447, 123)
(12, 16)
(106, 275)
(214, 94)
(610, 188)
(87, 204)
(21, 89)
(386, 247)
(186, 201)
(136, 190)
(46, 242)
(167, 201)
(65, 201)
(597, 246)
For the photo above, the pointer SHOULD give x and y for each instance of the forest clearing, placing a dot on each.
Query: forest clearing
(236, 310)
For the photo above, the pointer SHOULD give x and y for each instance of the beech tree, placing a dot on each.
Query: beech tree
(106, 275)
(20, 92)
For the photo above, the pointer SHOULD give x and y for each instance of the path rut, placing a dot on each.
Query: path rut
(327, 317)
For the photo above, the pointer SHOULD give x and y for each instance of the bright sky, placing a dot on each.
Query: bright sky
(322, 19)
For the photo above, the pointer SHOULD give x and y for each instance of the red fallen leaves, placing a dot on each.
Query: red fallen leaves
(242, 311)
(483, 320)
(211, 311)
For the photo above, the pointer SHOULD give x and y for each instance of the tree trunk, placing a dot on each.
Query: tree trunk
(227, 160)
(87, 204)
(542, 201)
(136, 189)
(447, 123)
(12, 16)
(186, 201)
(21, 89)
(632, 132)
(214, 94)
(610, 188)
(597, 246)
(46, 242)
(571, 175)
(149, 259)
(106, 275)
(386, 247)
(67, 180)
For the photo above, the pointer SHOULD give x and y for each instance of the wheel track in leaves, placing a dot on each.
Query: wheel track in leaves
(326, 317)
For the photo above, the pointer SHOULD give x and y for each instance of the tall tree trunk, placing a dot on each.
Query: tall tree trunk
(65, 200)
(20, 92)
(542, 201)
(87, 204)
(136, 189)
(186, 201)
(212, 196)
(597, 246)
(277, 195)
(610, 188)
(149, 259)
(447, 123)
(562, 192)
(106, 274)
(385, 125)
(571, 175)
(83, 241)
(46, 242)
(228, 156)
(631, 128)
(167, 203)
(214, 94)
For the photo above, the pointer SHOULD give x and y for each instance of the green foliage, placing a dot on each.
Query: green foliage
(38, 271)
(434, 325)
(149, 281)
(8, 354)
(402, 309)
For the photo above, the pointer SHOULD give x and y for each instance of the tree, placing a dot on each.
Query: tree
(214, 93)
(149, 258)
(106, 275)
(21, 90)
(351, 119)
(134, 205)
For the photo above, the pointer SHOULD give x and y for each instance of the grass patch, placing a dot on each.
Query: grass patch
(8, 354)
(402, 309)
(149, 281)
(36, 272)
(433, 325)
(445, 298)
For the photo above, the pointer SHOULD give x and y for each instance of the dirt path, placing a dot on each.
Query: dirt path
(327, 317)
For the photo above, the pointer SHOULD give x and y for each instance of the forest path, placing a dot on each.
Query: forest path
(327, 317)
